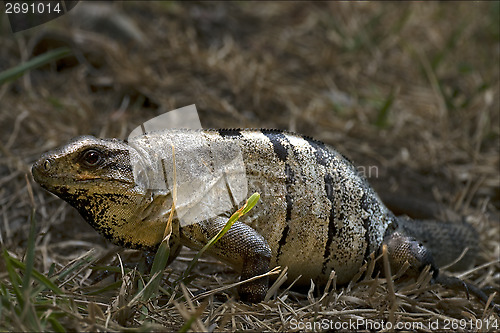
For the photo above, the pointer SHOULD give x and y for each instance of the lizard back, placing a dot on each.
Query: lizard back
(316, 212)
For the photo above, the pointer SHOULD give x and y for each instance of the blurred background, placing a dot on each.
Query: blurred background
(411, 88)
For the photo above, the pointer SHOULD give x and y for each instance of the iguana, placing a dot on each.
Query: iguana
(317, 213)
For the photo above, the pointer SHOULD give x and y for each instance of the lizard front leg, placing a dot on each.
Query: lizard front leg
(241, 247)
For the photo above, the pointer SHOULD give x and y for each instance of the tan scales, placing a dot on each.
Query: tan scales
(316, 213)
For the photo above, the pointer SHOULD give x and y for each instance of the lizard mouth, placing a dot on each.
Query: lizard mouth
(85, 178)
(45, 173)
(41, 171)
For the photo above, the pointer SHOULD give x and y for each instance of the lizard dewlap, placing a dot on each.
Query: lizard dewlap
(316, 212)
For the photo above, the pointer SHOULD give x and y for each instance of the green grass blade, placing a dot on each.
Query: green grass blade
(112, 286)
(56, 325)
(36, 275)
(159, 264)
(251, 202)
(383, 113)
(88, 257)
(4, 298)
(161, 258)
(29, 316)
(43, 59)
(30, 252)
(15, 279)
(52, 269)
(187, 325)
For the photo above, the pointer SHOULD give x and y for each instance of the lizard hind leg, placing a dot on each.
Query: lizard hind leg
(241, 247)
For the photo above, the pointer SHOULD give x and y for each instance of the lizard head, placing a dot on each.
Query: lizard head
(86, 164)
(96, 177)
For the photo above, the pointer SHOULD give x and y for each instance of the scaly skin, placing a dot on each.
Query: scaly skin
(316, 212)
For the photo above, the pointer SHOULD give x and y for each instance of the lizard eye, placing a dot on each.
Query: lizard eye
(92, 157)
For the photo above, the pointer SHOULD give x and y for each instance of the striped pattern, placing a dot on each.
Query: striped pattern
(316, 212)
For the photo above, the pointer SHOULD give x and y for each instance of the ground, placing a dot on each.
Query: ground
(409, 91)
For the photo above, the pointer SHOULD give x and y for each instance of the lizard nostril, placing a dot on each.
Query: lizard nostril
(47, 164)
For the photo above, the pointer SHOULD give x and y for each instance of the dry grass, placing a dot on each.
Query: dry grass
(412, 88)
